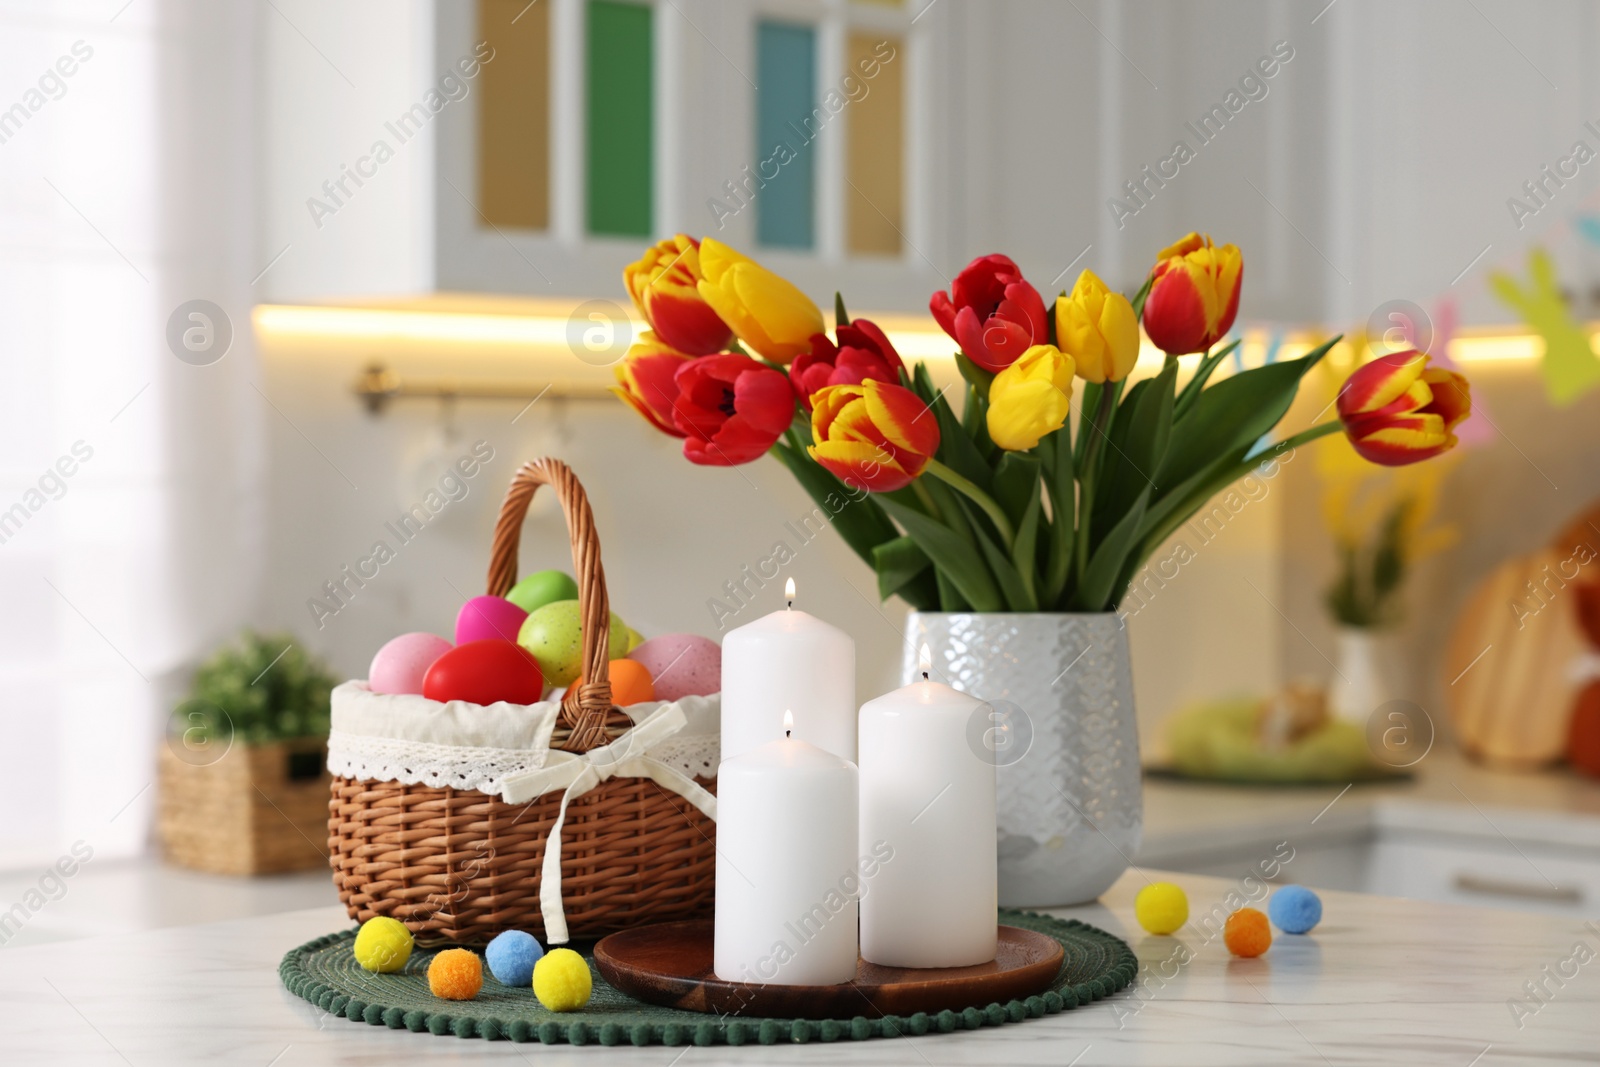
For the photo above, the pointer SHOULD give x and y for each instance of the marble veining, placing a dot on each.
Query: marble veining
(1382, 980)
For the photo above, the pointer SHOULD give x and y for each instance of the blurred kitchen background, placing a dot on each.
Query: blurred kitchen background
(438, 196)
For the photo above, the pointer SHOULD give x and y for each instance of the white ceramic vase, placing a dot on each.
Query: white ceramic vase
(1367, 674)
(1059, 720)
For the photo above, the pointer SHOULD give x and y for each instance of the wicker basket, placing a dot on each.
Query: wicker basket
(461, 866)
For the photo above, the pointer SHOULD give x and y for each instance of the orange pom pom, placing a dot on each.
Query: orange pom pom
(1247, 933)
(455, 974)
(630, 682)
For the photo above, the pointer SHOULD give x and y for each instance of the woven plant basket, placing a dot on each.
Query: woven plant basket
(459, 866)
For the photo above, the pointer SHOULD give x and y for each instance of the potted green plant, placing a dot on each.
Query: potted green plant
(243, 784)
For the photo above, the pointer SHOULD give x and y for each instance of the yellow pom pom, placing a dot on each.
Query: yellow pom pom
(455, 974)
(1161, 908)
(561, 980)
(383, 945)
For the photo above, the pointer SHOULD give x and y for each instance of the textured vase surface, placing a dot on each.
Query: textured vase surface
(1060, 722)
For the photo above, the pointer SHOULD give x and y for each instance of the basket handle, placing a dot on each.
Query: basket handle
(584, 708)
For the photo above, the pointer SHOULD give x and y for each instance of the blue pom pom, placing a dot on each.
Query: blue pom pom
(511, 956)
(1294, 909)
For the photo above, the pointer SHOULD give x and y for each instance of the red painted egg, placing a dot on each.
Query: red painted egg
(485, 672)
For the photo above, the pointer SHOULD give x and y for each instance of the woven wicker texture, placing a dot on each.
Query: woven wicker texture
(459, 866)
(325, 973)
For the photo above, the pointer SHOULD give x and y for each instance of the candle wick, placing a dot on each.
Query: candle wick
(787, 734)
(924, 676)
(791, 606)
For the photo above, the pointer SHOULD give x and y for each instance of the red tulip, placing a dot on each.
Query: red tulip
(1398, 410)
(663, 285)
(863, 352)
(730, 408)
(991, 312)
(874, 435)
(645, 381)
(1195, 295)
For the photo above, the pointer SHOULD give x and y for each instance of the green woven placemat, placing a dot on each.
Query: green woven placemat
(325, 973)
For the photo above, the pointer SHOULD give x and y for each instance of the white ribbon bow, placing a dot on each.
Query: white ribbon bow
(578, 773)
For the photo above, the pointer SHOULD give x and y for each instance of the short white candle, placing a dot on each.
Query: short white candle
(789, 659)
(928, 792)
(787, 874)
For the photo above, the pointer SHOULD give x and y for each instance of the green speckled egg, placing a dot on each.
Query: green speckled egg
(554, 634)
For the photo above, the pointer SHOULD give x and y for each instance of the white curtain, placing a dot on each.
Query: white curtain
(128, 477)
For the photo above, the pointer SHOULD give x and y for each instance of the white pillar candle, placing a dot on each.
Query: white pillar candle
(929, 792)
(787, 876)
(789, 659)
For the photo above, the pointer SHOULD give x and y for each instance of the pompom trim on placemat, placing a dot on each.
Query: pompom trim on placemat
(324, 972)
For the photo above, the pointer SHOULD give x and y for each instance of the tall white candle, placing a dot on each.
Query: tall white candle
(929, 793)
(787, 875)
(789, 659)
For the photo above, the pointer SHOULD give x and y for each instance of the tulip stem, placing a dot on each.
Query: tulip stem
(977, 496)
(1091, 456)
(1289, 444)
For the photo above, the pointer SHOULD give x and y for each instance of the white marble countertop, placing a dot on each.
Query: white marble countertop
(1381, 980)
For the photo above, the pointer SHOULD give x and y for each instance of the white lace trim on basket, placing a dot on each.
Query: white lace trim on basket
(416, 741)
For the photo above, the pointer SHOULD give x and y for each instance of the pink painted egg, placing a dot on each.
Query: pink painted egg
(400, 665)
(488, 618)
(485, 672)
(681, 664)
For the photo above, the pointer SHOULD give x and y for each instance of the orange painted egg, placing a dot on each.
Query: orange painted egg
(630, 683)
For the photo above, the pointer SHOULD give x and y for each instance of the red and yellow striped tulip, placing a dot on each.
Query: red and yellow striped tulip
(1398, 410)
(645, 381)
(664, 286)
(874, 436)
(1194, 295)
(766, 312)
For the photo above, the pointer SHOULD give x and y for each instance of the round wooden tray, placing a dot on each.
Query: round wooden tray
(670, 964)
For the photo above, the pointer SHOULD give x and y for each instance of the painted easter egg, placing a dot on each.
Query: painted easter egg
(541, 588)
(402, 663)
(630, 682)
(484, 618)
(485, 672)
(681, 665)
(554, 634)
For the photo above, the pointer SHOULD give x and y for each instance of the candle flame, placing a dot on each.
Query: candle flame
(788, 723)
(924, 660)
(788, 589)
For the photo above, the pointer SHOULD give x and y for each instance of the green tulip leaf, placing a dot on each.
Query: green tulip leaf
(950, 598)
(1063, 501)
(956, 448)
(898, 562)
(1016, 481)
(1233, 414)
(855, 515)
(1136, 447)
(1100, 578)
(1193, 387)
(841, 317)
(952, 553)
(1025, 551)
(979, 378)
(1018, 595)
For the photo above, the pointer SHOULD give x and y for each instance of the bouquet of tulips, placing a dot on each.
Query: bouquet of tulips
(1004, 505)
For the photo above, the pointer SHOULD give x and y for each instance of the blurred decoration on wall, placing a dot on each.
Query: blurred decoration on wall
(1570, 368)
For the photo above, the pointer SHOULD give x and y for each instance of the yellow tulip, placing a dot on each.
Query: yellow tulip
(766, 312)
(1098, 329)
(1030, 398)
